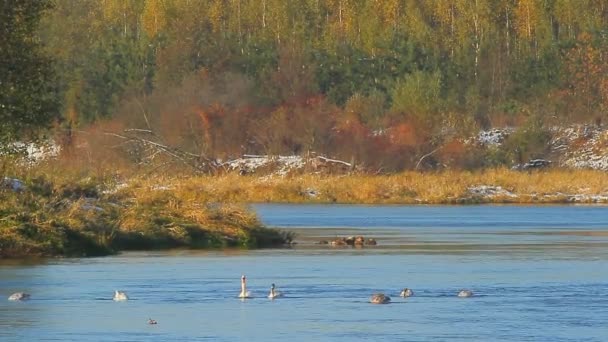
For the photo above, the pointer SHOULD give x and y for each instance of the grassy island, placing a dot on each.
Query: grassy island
(44, 217)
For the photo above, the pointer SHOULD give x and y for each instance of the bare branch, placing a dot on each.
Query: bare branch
(152, 148)
(425, 156)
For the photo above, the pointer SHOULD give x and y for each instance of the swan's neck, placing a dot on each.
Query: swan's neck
(243, 287)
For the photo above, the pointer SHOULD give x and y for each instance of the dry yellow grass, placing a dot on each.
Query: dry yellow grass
(407, 187)
(163, 211)
(68, 213)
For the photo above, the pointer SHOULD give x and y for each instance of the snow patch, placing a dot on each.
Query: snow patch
(249, 164)
(579, 198)
(115, 188)
(490, 191)
(493, 137)
(583, 147)
(36, 152)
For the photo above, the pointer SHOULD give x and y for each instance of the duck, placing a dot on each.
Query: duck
(273, 293)
(406, 293)
(19, 296)
(380, 298)
(120, 296)
(244, 293)
(465, 293)
(152, 321)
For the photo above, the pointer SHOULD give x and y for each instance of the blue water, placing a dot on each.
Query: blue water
(538, 274)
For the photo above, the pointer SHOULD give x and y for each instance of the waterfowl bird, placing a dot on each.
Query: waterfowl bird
(380, 298)
(244, 293)
(151, 321)
(359, 240)
(339, 242)
(18, 296)
(406, 293)
(465, 293)
(273, 293)
(120, 296)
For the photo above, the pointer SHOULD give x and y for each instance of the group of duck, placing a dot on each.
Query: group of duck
(376, 298)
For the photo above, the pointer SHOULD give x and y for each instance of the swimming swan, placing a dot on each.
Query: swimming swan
(465, 293)
(406, 293)
(244, 293)
(120, 296)
(380, 298)
(18, 296)
(273, 293)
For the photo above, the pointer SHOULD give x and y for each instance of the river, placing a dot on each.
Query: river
(538, 273)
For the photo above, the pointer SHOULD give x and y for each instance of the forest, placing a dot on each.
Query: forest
(379, 83)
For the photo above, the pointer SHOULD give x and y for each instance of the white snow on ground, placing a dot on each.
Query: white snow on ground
(247, 164)
(583, 147)
(490, 191)
(280, 165)
(35, 153)
(494, 137)
(577, 146)
(114, 188)
(250, 163)
(579, 198)
(289, 163)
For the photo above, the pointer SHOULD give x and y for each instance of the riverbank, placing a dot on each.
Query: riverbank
(43, 217)
(448, 187)
(72, 215)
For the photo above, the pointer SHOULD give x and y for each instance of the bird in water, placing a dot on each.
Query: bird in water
(151, 321)
(274, 293)
(120, 296)
(380, 298)
(406, 293)
(465, 293)
(244, 293)
(19, 296)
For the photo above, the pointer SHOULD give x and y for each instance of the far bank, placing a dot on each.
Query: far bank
(446, 187)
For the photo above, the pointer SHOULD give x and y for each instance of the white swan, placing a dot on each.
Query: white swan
(120, 296)
(406, 293)
(465, 293)
(244, 293)
(18, 296)
(274, 293)
(380, 298)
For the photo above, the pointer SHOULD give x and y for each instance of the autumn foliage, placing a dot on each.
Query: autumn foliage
(381, 83)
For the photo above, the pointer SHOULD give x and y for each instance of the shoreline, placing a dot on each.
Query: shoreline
(495, 186)
(68, 215)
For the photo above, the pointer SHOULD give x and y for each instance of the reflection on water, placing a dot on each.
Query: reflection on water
(538, 274)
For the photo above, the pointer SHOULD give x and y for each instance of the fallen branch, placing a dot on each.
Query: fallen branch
(328, 160)
(154, 148)
(425, 156)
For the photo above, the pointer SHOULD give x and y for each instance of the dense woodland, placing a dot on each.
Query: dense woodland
(378, 82)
